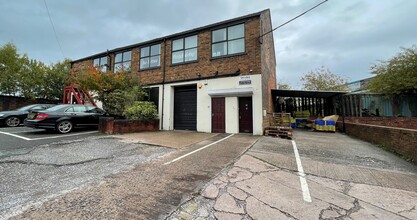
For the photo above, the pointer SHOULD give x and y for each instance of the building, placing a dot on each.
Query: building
(216, 78)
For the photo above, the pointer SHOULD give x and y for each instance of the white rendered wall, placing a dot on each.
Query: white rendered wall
(204, 103)
(232, 115)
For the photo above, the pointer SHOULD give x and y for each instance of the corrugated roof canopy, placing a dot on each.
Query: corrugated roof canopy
(306, 94)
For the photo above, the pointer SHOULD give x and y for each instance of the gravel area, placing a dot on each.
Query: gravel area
(54, 169)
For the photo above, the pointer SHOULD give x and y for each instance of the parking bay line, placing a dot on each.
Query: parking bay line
(42, 138)
(194, 151)
(302, 175)
(15, 135)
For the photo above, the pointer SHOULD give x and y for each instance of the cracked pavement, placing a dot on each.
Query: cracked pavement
(243, 177)
(264, 183)
(52, 169)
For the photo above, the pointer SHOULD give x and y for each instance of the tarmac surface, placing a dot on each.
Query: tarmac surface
(214, 176)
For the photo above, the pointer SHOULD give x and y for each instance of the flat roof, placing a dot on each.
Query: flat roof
(173, 35)
(304, 93)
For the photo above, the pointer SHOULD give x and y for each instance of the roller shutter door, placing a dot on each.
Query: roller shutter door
(185, 108)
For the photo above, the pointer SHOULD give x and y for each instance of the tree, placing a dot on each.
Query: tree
(29, 78)
(55, 79)
(283, 85)
(10, 66)
(115, 90)
(397, 75)
(322, 79)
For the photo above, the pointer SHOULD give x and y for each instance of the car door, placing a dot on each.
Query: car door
(95, 114)
(74, 115)
(82, 116)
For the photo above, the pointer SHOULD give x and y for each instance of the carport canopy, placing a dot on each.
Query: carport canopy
(305, 93)
(319, 103)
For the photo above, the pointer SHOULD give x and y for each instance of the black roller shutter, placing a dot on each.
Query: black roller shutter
(185, 108)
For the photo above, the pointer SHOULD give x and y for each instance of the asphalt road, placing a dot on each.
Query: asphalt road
(37, 166)
(150, 190)
(21, 140)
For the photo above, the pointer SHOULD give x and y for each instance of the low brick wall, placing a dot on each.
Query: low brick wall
(109, 125)
(14, 102)
(400, 140)
(396, 122)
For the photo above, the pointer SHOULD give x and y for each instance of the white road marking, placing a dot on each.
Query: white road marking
(42, 138)
(302, 175)
(15, 135)
(188, 154)
(17, 132)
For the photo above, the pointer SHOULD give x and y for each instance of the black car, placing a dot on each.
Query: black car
(63, 118)
(15, 117)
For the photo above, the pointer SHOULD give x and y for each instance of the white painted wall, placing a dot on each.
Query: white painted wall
(204, 103)
(232, 115)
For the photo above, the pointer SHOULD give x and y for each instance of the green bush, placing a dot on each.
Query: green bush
(141, 111)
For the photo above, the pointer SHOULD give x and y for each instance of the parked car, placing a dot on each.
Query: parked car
(63, 118)
(15, 117)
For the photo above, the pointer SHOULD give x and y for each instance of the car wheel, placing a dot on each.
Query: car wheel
(64, 127)
(13, 121)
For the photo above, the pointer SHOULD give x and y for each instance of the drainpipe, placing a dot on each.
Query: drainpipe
(163, 84)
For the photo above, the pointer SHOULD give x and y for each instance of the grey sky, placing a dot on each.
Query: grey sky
(345, 36)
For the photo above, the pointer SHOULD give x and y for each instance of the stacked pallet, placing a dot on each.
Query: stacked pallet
(280, 126)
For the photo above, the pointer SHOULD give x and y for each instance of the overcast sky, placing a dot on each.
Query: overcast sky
(347, 36)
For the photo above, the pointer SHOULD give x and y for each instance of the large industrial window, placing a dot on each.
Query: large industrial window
(228, 41)
(184, 50)
(122, 61)
(150, 56)
(100, 63)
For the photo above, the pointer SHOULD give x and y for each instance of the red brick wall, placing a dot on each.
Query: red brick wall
(400, 140)
(12, 102)
(82, 65)
(110, 126)
(268, 65)
(397, 122)
(206, 66)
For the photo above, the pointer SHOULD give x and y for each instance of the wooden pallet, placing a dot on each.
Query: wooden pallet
(281, 119)
(279, 131)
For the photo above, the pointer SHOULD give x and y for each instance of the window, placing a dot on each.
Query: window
(227, 41)
(92, 109)
(150, 56)
(100, 63)
(122, 61)
(76, 109)
(184, 50)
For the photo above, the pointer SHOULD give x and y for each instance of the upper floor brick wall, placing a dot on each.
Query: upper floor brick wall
(247, 63)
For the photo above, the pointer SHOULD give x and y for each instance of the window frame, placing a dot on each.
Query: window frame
(226, 27)
(149, 46)
(100, 65)
(183, 49)
(123, 61)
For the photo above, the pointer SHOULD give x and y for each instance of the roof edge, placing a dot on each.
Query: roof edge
(173, 35)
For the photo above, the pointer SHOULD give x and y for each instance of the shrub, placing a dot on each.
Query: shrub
(141, 111)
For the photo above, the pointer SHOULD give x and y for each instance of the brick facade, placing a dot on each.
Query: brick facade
(268, 65)
(248, 63)
(258, 58)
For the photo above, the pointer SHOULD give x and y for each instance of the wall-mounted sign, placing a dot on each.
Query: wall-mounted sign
(245, 80)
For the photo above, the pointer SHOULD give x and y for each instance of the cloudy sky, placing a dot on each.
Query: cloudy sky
(345, 36)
